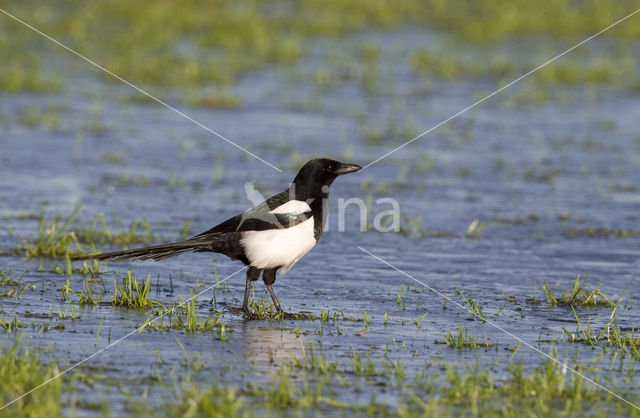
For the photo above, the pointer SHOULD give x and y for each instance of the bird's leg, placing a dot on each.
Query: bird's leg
(275, 299)
(252, 275)
(269, 277)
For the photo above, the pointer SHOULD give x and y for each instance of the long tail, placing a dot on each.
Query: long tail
(155, 252)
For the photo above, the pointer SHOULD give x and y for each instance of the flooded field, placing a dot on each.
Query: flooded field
(510, 287)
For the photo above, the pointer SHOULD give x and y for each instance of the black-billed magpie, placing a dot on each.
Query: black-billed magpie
(272, 236)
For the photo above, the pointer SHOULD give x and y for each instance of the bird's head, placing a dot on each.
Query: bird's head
(320, 172)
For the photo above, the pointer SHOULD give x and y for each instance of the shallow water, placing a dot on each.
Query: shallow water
(537, 175)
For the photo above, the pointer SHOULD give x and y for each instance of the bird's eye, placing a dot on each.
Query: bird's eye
(330, 167)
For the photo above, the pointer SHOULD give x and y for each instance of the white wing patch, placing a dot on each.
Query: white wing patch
(281, 248)
(294, 207)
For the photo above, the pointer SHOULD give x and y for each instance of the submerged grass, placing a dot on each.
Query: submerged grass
(315, 385)
(99, 233)
(67, 237)
(551, 387)
(320, 381)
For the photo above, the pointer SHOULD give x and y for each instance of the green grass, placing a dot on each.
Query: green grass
(624, 340)
(473, 304)
(91, 268)
(215, 99)
(187, 46)
(86, 296)
(7, 278)
(311, 384)
(397, 128)
(462, 339)
(611, 335)
(24, 69)
(97, 232)
(133, 292)
(363, 368)
(188, 317)
(578, 295)
(130, 292)
(66, 237)
(313, 360)
(54, 239)
(22, 369)
(262, 309)
(10, 325)
(48, 118)
(189, 399)
(599, 232)
(547, 388)
(185, 315)
(579, 68)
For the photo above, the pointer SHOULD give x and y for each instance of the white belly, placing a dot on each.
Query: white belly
(278, 247)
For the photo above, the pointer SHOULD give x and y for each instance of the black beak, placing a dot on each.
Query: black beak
(345, 168)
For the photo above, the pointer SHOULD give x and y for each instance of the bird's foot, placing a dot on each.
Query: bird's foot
(253, 316)
(248, 313)
(277, 314)
(258, 315)
(234, 311)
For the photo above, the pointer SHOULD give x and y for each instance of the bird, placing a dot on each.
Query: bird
(268, 238)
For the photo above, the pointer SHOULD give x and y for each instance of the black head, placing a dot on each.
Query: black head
(317, 173)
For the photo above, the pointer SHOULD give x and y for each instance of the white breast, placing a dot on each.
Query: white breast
(278, 247)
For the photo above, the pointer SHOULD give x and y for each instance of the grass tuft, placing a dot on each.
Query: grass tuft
(578, 295)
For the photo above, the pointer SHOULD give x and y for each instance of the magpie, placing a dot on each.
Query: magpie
(268, 238)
